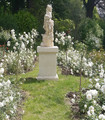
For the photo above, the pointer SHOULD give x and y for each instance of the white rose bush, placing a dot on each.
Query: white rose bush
(91, 101)
(73, 62)
(25, 61)
(21, 53)
(71, 59)
(9, 97)
(63, 41)
(20, 57)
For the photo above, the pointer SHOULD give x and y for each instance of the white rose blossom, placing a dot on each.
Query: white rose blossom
(97, 86)
(73, 100)
(89, 97)
(103, 89)
(103, 107)
(1, 71)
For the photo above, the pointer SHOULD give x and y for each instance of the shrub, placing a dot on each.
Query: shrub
(1, 51)
(20, 57)
(102, 24)
(73, 62)
(63, 41)
(66, 25)
(91, 34)
(18, 54)
(29, 39)
(4, 36)
(20, 22)
(19, 62)
(9, 97)
(92, 102)
(26, 21)
(8, 21)
(98, 56)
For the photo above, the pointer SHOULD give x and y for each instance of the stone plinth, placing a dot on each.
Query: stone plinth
(47, 63)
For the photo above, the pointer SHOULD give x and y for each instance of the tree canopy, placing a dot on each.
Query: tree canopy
(91, 4)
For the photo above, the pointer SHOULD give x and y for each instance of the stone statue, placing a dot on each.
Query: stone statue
(48, 37)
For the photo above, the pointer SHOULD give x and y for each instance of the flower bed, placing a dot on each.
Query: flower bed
(20, 57)
(90, 103)
(9, 97)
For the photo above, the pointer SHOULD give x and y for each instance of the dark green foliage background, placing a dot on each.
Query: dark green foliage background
(23, 15)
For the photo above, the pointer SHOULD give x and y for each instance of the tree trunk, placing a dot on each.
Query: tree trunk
(28, 3)
(89, 6)
(17, 5)
(89, 12)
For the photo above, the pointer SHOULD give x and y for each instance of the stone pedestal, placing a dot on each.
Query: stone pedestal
(47, 63)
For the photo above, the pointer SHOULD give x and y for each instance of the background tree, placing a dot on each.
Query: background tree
(16, 5)
(69, 9)
(101, 8)
(4, 5)
(89, 6)
(38, 9)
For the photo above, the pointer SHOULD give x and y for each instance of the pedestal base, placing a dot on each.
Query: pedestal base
(47, 63)
(47, 77)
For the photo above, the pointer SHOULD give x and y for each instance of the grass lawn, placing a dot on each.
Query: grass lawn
(46, 99)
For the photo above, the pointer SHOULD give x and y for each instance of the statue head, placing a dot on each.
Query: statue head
(49, 8)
